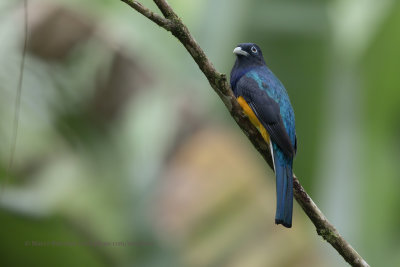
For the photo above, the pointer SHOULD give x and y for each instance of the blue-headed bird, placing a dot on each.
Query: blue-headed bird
(265, 101)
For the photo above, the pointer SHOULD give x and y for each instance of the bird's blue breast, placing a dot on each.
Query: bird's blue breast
(268, 82)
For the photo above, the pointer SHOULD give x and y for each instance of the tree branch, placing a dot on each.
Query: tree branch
(165, 8)
(160, 21)
(174, 24)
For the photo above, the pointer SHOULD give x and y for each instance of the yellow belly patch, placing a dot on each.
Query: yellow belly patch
(253, 118)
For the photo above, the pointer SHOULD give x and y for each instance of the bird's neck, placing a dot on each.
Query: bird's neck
(238, 73)
(240, 69)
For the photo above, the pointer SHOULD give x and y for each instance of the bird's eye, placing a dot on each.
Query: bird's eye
(253, 49)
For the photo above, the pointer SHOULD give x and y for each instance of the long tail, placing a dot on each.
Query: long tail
(284, 191)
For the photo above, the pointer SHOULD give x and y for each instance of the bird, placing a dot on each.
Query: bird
(265, 101)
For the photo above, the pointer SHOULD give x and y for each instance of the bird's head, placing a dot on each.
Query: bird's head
(248, 57)
(249, 54)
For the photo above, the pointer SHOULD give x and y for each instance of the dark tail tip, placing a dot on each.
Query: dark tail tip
(287, 225)
(284, 195)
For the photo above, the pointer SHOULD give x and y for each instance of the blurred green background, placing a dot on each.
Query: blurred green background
(126, 157)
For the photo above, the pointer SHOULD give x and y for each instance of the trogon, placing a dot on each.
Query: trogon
(265, 101)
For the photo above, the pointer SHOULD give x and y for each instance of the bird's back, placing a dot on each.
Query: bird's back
(268, 82)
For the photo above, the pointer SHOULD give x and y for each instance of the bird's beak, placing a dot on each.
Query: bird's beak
(238, 51)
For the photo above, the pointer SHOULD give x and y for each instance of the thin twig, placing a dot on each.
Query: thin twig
(17, 105)
(165, 8)
(221, 87)
(160, 21)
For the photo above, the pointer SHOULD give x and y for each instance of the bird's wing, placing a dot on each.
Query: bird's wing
(268, 113)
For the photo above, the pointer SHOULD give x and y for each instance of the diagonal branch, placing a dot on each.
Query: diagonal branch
(174, 24)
